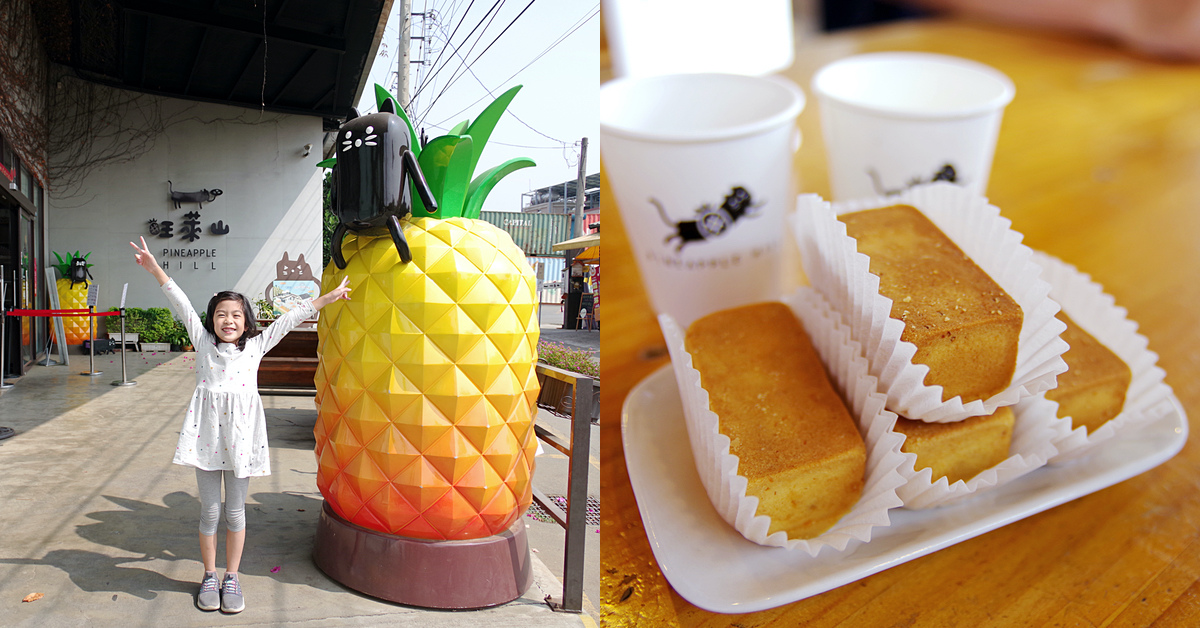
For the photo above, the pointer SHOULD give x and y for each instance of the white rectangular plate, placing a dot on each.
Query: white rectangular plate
(712, 566)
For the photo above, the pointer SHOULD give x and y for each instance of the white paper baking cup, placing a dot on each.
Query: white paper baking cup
(718, 469)
(1085, 301)
(841, 274)
(1033, 433)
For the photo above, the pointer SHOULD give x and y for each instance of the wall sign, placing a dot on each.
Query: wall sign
(188, 230)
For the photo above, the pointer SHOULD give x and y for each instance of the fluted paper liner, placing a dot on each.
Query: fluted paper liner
(1148, 397)
(1033, 432)
(841, 274)
(718, 468)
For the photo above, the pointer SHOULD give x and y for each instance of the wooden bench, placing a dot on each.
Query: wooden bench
(291, 365)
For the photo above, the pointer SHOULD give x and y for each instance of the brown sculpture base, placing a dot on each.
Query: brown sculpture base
(476, 573)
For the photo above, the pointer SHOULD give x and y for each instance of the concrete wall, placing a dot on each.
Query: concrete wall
(271, 202)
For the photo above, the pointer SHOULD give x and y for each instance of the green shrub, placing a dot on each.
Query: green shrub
(567, 358)
(135, 322)
(153, 324)
(159, 325)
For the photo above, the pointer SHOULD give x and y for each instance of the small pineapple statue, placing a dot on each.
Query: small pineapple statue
(72, 287)
(425, 382)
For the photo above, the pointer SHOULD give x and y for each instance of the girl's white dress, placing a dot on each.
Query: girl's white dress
(225, 427)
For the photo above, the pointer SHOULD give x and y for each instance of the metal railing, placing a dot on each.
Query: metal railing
(574, 519)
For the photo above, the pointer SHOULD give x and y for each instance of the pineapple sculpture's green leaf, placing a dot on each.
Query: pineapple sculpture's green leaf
(445, 161)
(327, 163)
(483, 184)
(381, 96)
(460, 128)
(63, 266)
(481, 129)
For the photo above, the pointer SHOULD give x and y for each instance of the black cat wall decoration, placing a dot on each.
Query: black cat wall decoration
(201, 197)
(370, 179)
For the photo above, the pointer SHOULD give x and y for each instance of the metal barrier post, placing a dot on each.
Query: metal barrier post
(91, 372)
(124, 378)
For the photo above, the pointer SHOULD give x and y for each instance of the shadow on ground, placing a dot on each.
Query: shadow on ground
(280, 529)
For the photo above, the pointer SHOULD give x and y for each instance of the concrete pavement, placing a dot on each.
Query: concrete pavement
(97, 519)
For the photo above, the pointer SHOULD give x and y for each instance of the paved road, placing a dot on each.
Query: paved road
(99, 521)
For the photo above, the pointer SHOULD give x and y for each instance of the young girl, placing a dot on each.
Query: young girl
(224, 432)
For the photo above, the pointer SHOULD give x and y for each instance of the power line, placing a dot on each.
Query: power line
(451, 38)
(454, 78)
(555, 43)
(561, 38)
(509, 111)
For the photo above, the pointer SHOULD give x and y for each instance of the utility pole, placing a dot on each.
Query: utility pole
(402, 62)
(580, 185)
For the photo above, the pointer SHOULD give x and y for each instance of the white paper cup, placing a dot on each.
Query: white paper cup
(701, 167)
(895, 119)
(654, 37)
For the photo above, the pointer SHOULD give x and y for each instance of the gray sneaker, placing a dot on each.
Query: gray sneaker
(210, 593)
(231, 595)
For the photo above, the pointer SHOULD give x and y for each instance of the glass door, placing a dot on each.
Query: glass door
(8, 249)
(27, 288)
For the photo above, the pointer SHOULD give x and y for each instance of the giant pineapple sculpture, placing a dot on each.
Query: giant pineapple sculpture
(426, 382)
(72, 295)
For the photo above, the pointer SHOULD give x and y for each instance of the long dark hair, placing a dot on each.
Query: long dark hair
(251, 328)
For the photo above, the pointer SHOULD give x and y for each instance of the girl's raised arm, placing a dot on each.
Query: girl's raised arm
(145, 259)
(282, 325)
(177, 299)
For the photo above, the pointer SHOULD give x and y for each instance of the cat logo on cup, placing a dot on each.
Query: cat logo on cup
(946, 173)
(710, 221)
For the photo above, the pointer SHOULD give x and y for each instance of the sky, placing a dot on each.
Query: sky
(551, 47)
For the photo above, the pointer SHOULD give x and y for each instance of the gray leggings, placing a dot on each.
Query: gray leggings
(210, 500)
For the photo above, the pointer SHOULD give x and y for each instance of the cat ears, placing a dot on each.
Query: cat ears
(388, 105)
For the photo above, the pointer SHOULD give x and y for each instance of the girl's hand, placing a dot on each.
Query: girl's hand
(143, 256)
(145, 259)
(340, 292)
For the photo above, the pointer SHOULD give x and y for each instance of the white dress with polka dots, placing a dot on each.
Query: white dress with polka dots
(225, 427)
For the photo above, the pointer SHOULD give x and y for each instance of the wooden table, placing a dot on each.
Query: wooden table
(1098, 163)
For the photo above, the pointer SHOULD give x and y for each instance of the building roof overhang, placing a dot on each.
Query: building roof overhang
(309, 57)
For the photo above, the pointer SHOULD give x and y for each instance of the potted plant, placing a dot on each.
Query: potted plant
(265, 311)
(180, 341)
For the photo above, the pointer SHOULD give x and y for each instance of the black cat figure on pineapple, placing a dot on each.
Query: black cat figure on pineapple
(370, 180)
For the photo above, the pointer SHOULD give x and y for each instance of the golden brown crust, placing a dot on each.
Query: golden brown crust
(965, 326)
(795, 441)
(1092, 391)
(959, 450)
